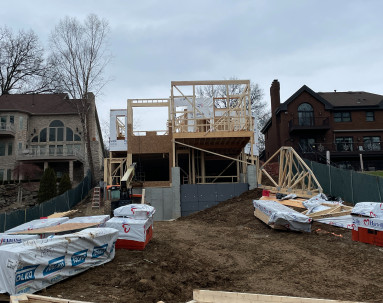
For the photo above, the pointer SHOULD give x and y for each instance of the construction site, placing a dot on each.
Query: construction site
(188, 213)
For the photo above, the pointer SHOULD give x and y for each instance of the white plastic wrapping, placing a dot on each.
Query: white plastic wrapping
(368, 209)
(136, 211)
(341, 221)
(12, 239)
(38, 223)
(282, 215)
(99, 220)
(370, 223)
(33, 265)
(129, 228)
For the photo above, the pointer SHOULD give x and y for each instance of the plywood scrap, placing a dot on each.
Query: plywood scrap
(28, 298)
(204, 296)
(63, 214)
(56, 229)
(296, 202)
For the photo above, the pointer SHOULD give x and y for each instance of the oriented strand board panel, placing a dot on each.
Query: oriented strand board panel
(63, 214)
(208, 296)
(56, 229)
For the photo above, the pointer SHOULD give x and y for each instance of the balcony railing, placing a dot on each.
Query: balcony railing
(343, 147)
(309, 123)
(39, 152)
(7, 128)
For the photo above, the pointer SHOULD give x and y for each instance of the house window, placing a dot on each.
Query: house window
(307, 144)
(9, 174)
(3, 122)
(342, 117)
(20, 146)
(371, 143)
(10, 146)
(69, 134)
(370, 116)
(21, 123)
(77, 138)
(305, 115)
(2, 149)
(343, 143)
(2, 174)
(43, 135)
(12, 119)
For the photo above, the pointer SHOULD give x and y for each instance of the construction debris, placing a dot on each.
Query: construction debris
(279, 216)
(201, 296)
(36, 264)
(27, 298)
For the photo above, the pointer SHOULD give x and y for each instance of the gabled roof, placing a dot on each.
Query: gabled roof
(352, 99)
(304, 88)
(38, 104)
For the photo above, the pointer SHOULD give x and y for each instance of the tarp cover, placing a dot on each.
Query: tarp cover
(314, 204)
(33, 265)
(137, 211)
(129, 228)
(282, 215)
(370, 223)
(342, 221)
(12, 239)
(38, 223)
(100, 220)
(368, 209)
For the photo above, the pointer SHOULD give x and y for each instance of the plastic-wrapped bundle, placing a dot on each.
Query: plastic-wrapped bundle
(137, 211)
(35, 264)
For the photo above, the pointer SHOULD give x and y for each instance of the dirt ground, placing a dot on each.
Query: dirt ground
(227, 248)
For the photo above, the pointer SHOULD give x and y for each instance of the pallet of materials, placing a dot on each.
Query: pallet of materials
(37, 224)
(279, 216)
(368, 223)
(134, 223)
(36, 264)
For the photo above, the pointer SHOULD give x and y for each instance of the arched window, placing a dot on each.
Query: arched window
(43, 135)
(305, 115)
(77, 138)
(56, 123)
(56, 131)
(69, 134)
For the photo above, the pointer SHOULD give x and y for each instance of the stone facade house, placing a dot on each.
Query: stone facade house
(348, 126)
(41, 130)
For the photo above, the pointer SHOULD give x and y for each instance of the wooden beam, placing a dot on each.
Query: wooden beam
(209, 82)
(210, 152)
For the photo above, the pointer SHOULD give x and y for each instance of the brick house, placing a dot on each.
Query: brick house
(347, 124)
(45, 130)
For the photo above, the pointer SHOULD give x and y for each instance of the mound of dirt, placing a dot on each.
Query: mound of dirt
(227, 248)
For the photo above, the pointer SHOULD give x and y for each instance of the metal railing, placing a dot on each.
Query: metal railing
(50, 152)
(342, 147)
(309, 122)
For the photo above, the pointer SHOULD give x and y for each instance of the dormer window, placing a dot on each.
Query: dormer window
(305, 115)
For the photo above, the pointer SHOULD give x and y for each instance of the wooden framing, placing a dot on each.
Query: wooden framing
(204, 296)
(294, 175)
(29, 298)
(114, 169)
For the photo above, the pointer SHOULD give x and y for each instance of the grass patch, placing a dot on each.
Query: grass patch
(378, 173)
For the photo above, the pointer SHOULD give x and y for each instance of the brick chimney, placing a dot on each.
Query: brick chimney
(275, 96)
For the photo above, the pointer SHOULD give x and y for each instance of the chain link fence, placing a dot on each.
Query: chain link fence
(60, 203)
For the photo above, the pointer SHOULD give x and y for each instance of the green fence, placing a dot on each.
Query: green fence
(350, 185)
(60, 203)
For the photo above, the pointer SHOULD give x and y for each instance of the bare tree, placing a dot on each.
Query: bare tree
(80, 54)
(23, 68)
(258, 106)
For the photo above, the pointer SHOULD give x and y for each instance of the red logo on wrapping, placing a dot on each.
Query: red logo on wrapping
(366, 221)
(133, 209)
(126, 227)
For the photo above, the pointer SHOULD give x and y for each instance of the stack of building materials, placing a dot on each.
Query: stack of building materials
(335, 213)
(100, 221)
(368, 223)
(33, 265)
(134, 223)
(279, 216)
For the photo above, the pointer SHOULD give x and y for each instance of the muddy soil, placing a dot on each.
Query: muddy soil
(227, 248)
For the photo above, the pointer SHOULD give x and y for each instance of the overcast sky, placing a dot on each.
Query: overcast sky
(327, 45)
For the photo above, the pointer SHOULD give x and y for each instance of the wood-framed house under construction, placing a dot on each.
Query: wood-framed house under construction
(210, 127)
